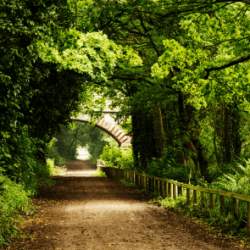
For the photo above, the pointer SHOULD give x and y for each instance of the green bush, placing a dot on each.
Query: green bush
(114, 156)
(52, 153)
(172, 203)
(14, 201)
(22, 172)
(166, 167)
(21, 163)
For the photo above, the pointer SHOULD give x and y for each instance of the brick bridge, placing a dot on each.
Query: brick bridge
(108, 125)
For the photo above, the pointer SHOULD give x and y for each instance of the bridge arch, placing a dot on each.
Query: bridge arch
(109, 126)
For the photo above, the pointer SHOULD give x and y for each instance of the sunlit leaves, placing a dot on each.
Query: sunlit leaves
(208, 42)
(130, 58)
(175, 56)
(90, 53)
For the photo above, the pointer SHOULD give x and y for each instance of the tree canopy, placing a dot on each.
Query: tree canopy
(180, 70)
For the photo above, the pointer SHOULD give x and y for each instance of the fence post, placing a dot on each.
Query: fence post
(169, 190)
(149, 184)
(180, 190)
(145, 182)
(174, 191)
(211, 200)
(159, 186)
(235, 210)
(163, 188)
(194, 197)
(222, 203)
(248, 217)
(202, 200)
(166, 188)
(188, 196)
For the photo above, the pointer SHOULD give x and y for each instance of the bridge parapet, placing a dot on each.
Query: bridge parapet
(110, 126)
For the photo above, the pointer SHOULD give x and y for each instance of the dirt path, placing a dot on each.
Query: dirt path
(97, 213)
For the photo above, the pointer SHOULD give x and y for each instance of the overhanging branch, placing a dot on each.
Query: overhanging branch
(227, 65)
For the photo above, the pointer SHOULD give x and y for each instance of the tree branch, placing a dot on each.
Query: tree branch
(227, 65)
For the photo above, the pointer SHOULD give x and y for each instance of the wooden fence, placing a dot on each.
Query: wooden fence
(202, 198)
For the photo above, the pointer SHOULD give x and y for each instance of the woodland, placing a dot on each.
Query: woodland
(178, 71)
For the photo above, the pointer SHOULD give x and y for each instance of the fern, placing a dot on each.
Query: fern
(237, 181)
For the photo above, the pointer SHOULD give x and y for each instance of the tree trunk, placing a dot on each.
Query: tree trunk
(158, 132)
(189, 134)
(148, 136)
(228, 131)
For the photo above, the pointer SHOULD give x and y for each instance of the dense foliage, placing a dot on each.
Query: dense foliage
(114, 156)
(13, 201)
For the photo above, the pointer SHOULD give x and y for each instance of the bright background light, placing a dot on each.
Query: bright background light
(82, 153)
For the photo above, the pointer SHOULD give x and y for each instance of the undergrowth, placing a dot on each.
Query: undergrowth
(100, 173)
(114, 156)
(15, 198)
(14, 202)
(237, 180)
(226, 222)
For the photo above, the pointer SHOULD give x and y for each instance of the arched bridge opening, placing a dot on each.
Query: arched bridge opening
(109, 126)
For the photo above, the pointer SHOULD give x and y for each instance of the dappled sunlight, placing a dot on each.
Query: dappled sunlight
(106, 206)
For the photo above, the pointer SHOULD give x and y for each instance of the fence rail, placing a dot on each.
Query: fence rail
(203, 198)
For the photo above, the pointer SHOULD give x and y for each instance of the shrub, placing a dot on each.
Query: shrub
(225, 221)
(21, 164)
(114, 156)
(166, 167)
(52, 153)
(14, 201)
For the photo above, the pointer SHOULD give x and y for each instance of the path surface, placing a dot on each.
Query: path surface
(82, 212)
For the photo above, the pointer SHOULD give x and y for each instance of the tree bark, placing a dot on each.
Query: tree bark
(158, 131)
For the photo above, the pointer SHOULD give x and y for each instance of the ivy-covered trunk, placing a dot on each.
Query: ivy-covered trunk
(189, 125)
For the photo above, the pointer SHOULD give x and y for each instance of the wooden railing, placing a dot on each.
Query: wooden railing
(202, 198)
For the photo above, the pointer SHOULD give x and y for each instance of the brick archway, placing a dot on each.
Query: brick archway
(108, 125)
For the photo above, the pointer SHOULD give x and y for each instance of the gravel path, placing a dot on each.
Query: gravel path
(82, 212)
